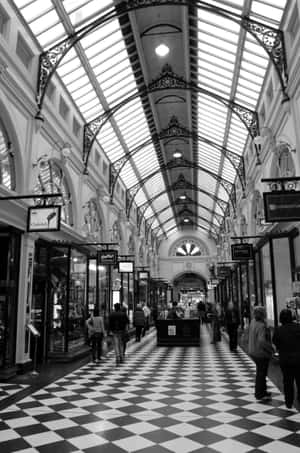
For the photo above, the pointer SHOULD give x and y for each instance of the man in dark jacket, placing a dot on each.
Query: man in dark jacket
(286, 338)
(138, 321)
(232, 321)
(118, 323)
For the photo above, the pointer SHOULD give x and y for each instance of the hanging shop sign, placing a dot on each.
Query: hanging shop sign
(43, 218)
(241, 252)
(223, 271)
(108, 257)
(282, 206)
(125, 266)
(143, 275)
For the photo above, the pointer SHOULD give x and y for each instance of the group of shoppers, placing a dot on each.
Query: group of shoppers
(117, 324)
(286, 339)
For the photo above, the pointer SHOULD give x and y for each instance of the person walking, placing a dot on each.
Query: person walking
(232, 322)
(96, 332)
(147, 314)
(118, 323)
(201, 311)
(286, 338)
(260, 350)
(138, 321)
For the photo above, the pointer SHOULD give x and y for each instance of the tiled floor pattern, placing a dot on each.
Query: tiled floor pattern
(7, 390)
(160, 400)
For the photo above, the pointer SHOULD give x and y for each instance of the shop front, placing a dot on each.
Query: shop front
(10, 241)
(59, 301)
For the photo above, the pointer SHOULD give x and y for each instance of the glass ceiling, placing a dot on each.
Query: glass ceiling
(98, 74)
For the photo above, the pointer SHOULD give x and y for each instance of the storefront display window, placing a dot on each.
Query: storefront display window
(283, 273)
(9, 268)
(77, 300)
(58, 276)
(267, 284)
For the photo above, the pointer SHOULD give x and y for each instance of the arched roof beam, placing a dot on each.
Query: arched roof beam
(152, 218)
(271, 39)
(168, 80)
(178, 163)
(156, 229)
(174, 129)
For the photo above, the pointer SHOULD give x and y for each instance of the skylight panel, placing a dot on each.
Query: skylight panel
(45, 22)
(206, 182)
(160, 202)
(228, 171)
(115, 95)
(170, 224)
(82, 11)
(215, 61)
(31, 11)
(217, 43)
(165, 215)
(267, 11)
(129, 176)
(140, 197)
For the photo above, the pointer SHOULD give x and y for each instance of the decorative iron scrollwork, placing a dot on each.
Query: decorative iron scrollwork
(272, 40)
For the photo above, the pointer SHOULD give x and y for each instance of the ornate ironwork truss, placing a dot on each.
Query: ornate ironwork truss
(184, 204)
(179, 163)
(175, 130)
(180, 184)
(271, 39)
(212, 233)
(167, 80)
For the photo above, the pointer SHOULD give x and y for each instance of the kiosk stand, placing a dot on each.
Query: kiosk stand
(35, 335)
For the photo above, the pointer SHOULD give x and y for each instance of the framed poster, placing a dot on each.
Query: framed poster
(43, 218)
(242, 252)
(282, 206)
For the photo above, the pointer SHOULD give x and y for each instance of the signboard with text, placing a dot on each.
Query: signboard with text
(282, 206)
(126, 266)
(143, 275)
(43, 218)
(108, 257)
(242, 252)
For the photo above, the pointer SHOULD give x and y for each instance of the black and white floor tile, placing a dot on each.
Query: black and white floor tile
(160, 400)
(7, 390)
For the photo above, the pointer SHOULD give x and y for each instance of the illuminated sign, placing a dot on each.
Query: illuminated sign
(282, 206)
(126, 266)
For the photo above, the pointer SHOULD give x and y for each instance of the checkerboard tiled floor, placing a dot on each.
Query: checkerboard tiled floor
(7, 390)
(160, 400)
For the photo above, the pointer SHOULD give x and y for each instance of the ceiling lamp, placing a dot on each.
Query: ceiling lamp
(162, 50)
(177, 154)
(182, 197)
(186, 220)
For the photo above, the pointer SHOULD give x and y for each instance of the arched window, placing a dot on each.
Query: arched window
(51, 179)
(7, 167)
(189, 247)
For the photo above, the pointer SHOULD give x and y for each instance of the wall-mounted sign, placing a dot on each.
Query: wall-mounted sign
(242, 252)
(143, 275)
(106, 257)
(43, 218)
(125, 266)
(281, 206)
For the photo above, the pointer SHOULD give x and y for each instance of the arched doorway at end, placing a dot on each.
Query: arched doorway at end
(189, 286)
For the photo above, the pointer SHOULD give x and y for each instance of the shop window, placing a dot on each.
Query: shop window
(24, 52)
(51, 179)
(50, 92)
(270, 92)
(7, 168)
(294, 24)
(4, 22)
(105, 167)
(76, 127)
(63, 109)
(97, 158)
